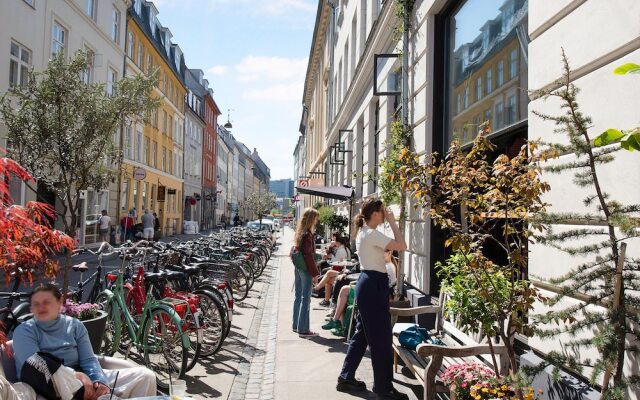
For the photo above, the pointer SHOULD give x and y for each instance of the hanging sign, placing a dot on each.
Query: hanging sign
(139, 174)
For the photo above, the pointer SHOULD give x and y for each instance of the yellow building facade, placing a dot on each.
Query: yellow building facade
(152, 176)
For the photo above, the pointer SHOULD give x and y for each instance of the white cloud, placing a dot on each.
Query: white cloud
(218, 70)
(279, 93)
(255, 68)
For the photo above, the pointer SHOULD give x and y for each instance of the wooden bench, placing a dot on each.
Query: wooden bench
(460, 347)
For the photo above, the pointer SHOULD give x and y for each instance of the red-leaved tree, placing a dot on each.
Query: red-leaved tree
(28, 244)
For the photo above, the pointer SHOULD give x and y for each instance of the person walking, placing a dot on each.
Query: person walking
(373, 327)
(304, 279)
(156, 227)
(104, 224)
(148, 222)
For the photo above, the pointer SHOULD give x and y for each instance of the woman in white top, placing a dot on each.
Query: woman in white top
(340, 253)
(373, 326)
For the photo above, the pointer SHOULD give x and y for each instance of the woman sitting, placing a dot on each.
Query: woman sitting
(51, 335)
(336, 325)
(340, 253)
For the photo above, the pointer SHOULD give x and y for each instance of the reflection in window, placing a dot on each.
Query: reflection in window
(483, 36)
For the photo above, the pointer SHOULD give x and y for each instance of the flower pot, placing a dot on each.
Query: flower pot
(95, 328)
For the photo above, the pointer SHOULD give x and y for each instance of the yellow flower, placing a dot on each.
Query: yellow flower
(485, 390)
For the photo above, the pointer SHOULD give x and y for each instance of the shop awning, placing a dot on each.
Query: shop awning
(330, 192)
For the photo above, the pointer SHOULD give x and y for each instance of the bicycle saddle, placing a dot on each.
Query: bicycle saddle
(154, 277)
(82, 267)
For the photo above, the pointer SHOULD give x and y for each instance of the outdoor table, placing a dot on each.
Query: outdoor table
(341, 265)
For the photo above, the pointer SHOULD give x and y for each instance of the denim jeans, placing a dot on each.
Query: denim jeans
(302, 302)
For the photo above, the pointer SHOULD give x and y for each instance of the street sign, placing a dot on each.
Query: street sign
(303, 183)
(139, 174)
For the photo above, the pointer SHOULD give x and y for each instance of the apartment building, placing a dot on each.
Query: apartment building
(32, 31)
(153, 152)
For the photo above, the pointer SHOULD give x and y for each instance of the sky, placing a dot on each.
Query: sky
(254, 54)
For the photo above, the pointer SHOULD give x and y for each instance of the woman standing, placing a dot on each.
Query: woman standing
(373, 327)
(304, 279)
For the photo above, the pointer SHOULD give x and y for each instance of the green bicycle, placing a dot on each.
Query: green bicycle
(159, 333)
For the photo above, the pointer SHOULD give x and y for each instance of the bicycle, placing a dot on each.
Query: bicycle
(9, 315)
(160, 332)
(76, 295)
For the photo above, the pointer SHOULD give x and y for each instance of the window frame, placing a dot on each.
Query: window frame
(116, 21)
(62, 46)
(93, 13)
(19, 63)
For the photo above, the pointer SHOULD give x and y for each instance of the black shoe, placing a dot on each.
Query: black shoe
(393, 394)
(324, 303)
(350, 385)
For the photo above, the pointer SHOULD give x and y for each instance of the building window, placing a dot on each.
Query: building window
(127, 143)
(170, 132)
(130, 44)
(513, 63)
(154, 118)
(164, 122)
(115, 25)
(145, 187)
(124, 195)
(164, 159)
(466, 98)
(87, 74)
(112, 78)
(92, 9)
(140, 55)
(479, 51)
(152, 198)
(19, 63)
(154, 154)
(59, 38)
(170, 162)
(512, 110)
(149, 63)
(499, 120)
(136, 200)
(30, 2)
(139, 146)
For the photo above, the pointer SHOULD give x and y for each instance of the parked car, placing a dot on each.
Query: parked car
(266, 225)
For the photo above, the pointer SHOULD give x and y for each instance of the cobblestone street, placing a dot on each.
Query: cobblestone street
(264, 359)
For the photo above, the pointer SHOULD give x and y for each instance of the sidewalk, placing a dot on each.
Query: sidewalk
(308, 368)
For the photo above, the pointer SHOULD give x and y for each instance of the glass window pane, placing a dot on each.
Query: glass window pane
(13, 72)
(485, 37)
(14, 49)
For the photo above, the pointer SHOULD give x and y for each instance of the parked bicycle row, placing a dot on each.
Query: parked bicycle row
(172, 303)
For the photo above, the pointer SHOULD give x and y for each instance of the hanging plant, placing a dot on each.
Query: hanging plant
(390, 187)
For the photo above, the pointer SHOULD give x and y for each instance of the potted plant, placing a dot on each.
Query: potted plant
(92, 317)
(461, 377)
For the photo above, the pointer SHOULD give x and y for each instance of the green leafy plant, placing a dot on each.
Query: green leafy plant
(607, 314)
(338, 223)
(478, 204)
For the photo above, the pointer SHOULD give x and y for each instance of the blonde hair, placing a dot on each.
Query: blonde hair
(305, 224)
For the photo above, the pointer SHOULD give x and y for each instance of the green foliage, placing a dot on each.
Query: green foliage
(261, 203)
(608, 328)
(389, 182)
(326, 212)
(628, 68)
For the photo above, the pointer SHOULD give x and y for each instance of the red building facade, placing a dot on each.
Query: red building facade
(209, 157)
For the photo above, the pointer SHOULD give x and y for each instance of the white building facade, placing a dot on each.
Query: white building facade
(470, 61)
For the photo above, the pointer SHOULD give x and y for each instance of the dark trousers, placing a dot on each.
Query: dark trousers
(374, 329)
(337, 286)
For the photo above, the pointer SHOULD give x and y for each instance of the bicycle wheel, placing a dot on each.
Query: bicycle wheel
(192, 326)
(163, 350)
(214, 322)
(113, 328)
(240, 284)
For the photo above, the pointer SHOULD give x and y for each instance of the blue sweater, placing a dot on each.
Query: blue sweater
(64, 337)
